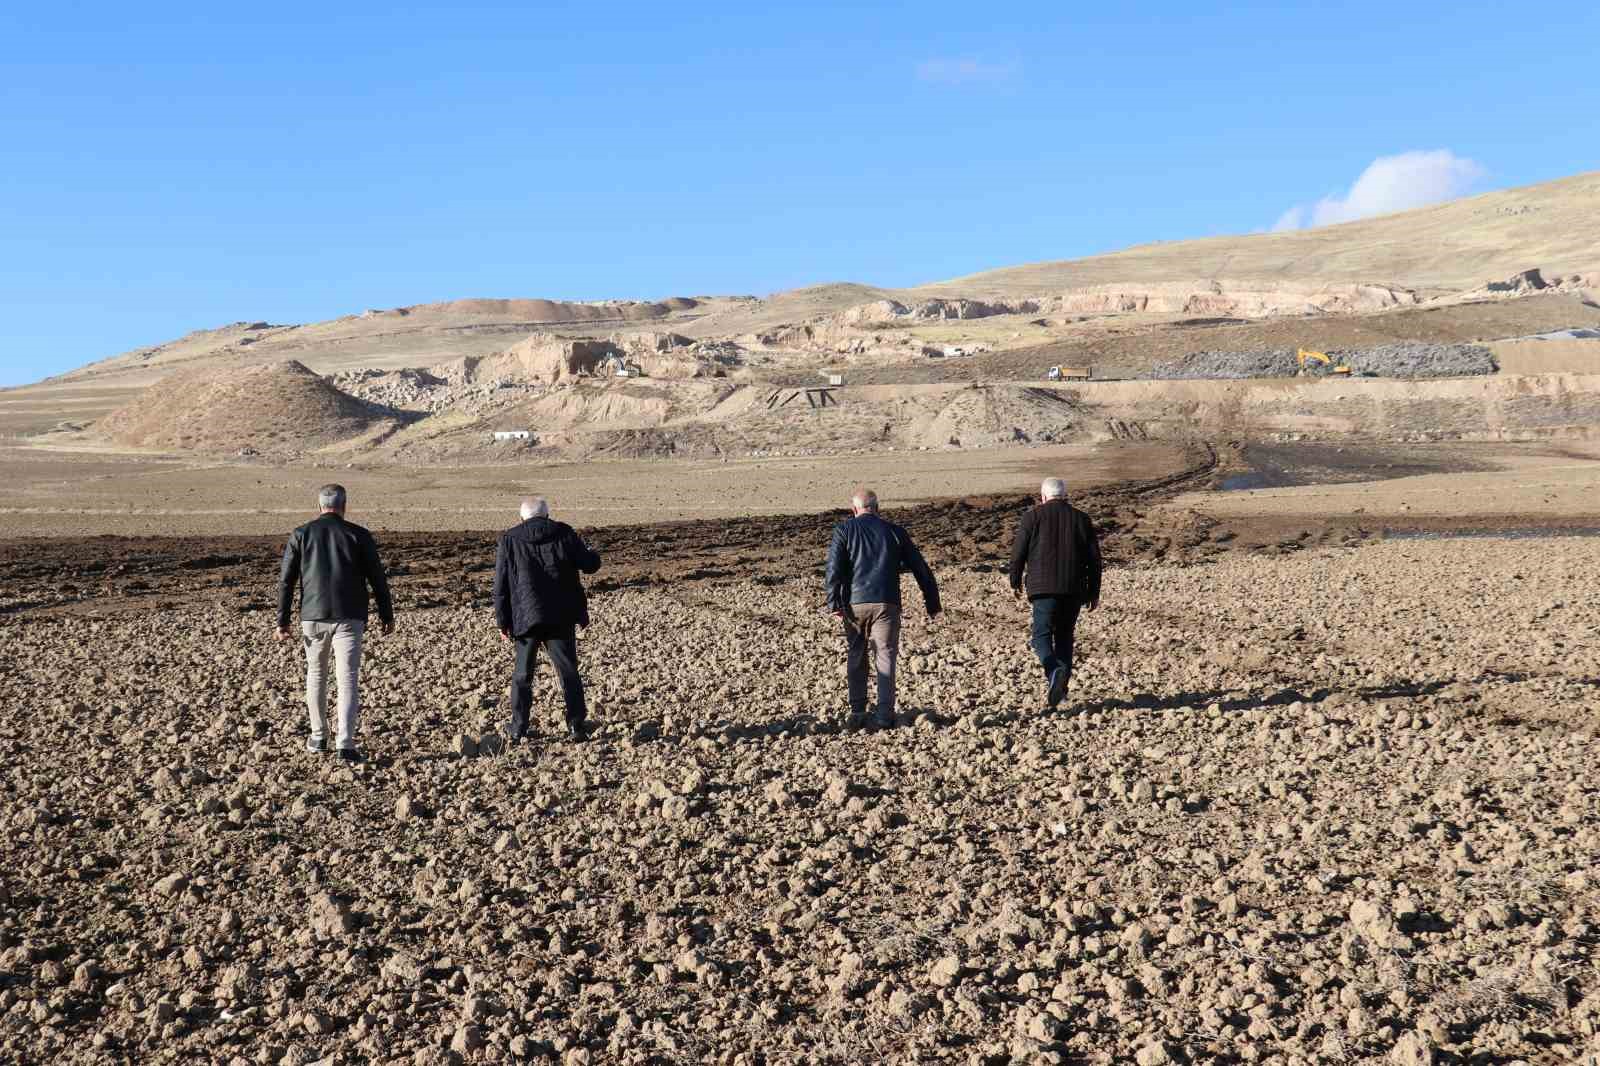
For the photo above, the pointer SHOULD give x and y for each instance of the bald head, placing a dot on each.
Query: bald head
(864, 501)
(1052, 488)
(535, 507)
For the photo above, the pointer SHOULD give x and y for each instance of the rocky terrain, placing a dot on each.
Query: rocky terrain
(1326, 804)
(1390, 360)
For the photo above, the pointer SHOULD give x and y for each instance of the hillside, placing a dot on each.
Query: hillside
(1454, 247)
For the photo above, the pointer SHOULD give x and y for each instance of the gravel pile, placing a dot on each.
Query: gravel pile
(1409, 360)
(1267, 363)
(1418, 360)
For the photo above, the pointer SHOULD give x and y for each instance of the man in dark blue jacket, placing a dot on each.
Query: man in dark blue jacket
(539, 601)
(865, 562)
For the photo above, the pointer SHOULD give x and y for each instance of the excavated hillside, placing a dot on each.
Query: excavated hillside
(272, 409)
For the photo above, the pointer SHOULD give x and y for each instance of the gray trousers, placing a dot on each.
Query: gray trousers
(339, 641)
(877, 624)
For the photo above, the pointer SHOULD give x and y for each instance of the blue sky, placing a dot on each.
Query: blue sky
(167, 167)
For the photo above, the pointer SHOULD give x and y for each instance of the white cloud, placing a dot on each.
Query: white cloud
(1391, 183)
(1294, 218)
(963, 71)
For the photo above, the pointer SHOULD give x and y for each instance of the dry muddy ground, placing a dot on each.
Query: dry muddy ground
(57, 493)
(1308, 802)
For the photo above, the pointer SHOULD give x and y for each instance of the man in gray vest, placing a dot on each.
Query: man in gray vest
(333, 562)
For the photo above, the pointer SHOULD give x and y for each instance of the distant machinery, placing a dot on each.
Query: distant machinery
(1316, 363)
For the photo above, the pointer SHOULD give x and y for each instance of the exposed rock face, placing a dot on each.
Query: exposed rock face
(1528, 282)
(1238, 299)
(1231, 298)
(544, 358)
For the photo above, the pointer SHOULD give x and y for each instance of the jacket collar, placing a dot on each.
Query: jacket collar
(538, 529)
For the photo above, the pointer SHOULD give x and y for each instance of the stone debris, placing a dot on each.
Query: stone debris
(1412, 360)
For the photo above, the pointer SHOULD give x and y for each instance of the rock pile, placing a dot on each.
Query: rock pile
(1410, 360)
(430, 390)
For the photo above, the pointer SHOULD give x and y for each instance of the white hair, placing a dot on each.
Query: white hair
(865, 499)
(535, 507)
(331, 497)
(1053, 488)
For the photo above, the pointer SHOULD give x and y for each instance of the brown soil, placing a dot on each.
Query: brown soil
(99, 574)
(1336, 807)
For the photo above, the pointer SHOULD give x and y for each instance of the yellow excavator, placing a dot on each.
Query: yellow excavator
(1318, 363)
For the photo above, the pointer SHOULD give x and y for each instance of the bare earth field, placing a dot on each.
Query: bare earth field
(1317, 797)
(66, 494)
(1332, 807)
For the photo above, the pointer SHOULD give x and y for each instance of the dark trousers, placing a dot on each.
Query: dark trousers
(1054, 619)
(561, 644)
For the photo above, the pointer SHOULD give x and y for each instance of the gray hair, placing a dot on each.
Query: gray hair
(865, 499)
(1053, 488)
(535, 507)
(331, 497)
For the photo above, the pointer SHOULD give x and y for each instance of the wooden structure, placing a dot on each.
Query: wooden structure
(816, 398)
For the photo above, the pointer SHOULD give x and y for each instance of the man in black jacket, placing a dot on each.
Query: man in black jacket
(865, 562)
(333, 562)
(1060, 550)
(539, 600)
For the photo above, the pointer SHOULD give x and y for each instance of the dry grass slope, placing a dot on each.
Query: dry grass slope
(1456, 245)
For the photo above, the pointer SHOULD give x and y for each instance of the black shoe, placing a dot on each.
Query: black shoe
(351, 755)
(317, 747)
(578, 732)
(1058, 687)
(883, 721)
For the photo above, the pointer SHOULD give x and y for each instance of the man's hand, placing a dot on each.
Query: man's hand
(1092, 604)
(505, 636)
(386, 628)
(282, 633)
